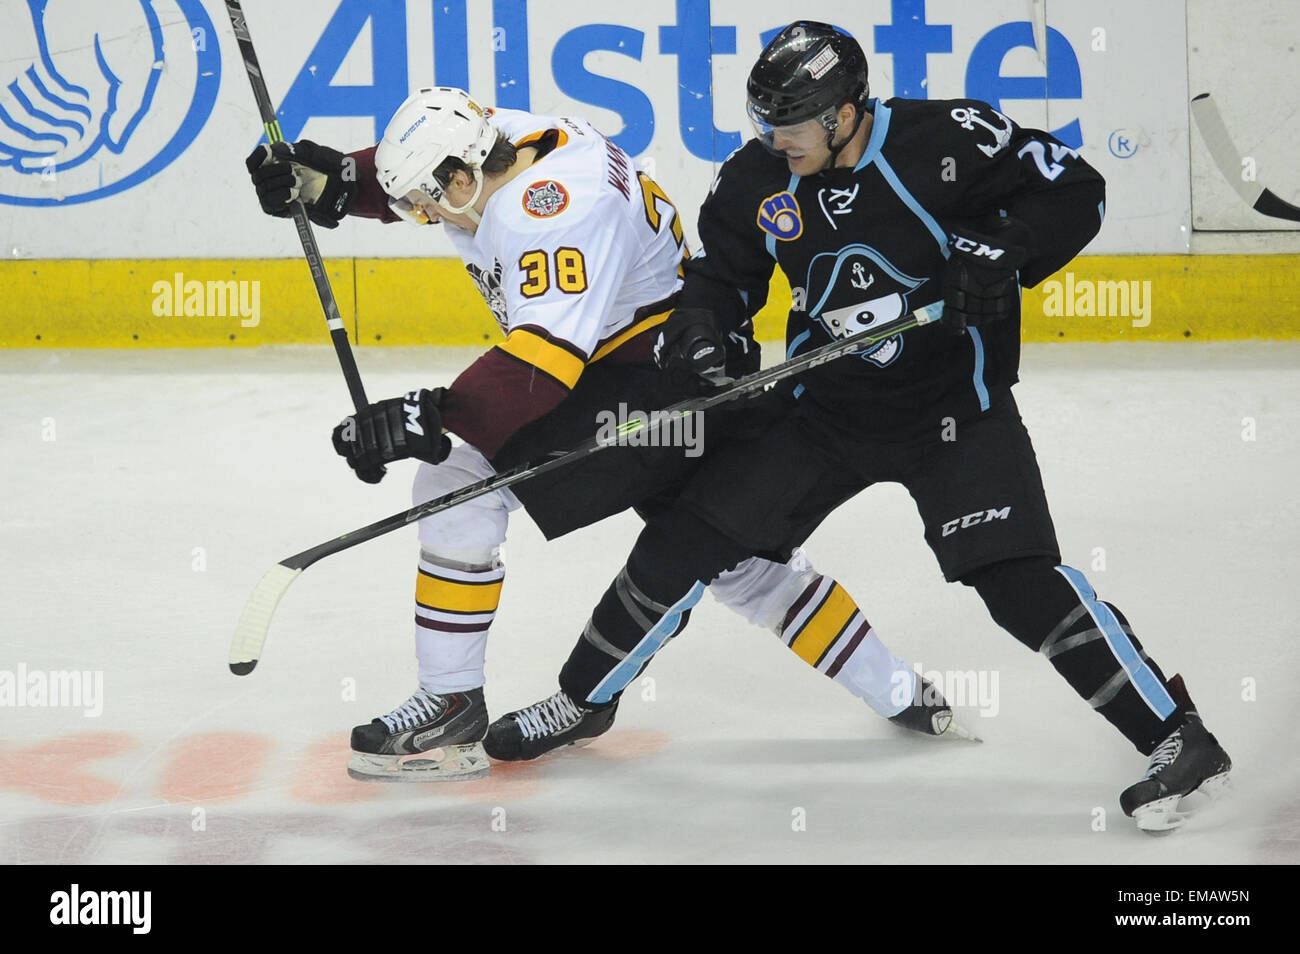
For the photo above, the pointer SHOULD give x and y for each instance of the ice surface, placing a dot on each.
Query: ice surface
(142, 495)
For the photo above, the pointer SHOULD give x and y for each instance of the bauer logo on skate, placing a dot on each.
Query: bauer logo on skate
(100, 97)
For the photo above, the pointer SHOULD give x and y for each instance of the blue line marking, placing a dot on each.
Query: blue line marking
(1140, 675)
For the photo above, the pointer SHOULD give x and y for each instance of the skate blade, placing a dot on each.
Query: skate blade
(956, 730)
(451, 763)
(1166, 815)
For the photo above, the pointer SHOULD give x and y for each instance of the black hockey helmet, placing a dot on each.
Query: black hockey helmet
(807, 72)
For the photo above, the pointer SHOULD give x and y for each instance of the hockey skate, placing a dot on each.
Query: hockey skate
(546, 725)
(930, 714)
(428, 738)
(1188, 770)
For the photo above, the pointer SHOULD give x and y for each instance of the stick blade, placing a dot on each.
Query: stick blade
(255, 621)
(1219, 143)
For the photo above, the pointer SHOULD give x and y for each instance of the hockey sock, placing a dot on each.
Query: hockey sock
(647, 604)
(825, 628)
(455, 603)
(820, 622)
(1054, 610)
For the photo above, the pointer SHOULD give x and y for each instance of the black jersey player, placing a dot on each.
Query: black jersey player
(873, 209)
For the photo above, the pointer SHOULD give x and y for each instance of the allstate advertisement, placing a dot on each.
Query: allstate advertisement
(124, 123)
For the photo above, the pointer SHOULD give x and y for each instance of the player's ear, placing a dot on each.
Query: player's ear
(846, 115)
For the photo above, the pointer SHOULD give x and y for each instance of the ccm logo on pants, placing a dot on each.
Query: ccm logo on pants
(971, 519)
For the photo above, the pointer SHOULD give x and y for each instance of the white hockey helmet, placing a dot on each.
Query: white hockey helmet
(433, 124)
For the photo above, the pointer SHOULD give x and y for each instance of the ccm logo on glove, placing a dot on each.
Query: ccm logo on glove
(392, 430)
(961, 243)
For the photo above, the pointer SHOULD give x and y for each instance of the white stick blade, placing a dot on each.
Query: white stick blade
(255, 621)
(1222, 151)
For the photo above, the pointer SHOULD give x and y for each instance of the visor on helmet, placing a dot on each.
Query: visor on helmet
(425, 208)
(417, 206)
(799, 138)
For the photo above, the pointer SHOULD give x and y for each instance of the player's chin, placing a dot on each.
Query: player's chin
(799, 165)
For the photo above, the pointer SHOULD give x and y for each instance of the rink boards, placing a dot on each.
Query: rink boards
(118, 303)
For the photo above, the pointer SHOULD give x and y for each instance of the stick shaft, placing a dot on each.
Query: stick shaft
(746, 385)
(333, 320)
(255, 622)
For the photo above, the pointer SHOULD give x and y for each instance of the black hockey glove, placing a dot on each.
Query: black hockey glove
(392, 430)
(325, 180)
(689, 346)
(980, 282)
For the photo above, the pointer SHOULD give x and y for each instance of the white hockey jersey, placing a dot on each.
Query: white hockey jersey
(577, 256)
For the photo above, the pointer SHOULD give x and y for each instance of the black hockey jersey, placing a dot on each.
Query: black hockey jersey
(866, 245)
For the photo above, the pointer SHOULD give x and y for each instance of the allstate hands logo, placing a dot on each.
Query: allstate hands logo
(98, 95)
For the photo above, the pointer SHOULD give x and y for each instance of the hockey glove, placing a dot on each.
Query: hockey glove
(323, 178)
(689, 346)
(981, 282)
(392, 430)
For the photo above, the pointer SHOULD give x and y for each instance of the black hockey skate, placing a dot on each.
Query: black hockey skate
(930, 714)
(428, 738)
(546, 725)
(1188, 770)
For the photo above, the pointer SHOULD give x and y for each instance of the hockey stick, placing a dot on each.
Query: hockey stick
(338, 333)
(1228, 159)
(255, 621)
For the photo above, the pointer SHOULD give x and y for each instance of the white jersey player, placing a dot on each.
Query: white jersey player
(578, 255)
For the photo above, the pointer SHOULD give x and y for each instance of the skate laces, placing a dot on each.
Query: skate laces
(423, 706)
(549, 716)
(1165, 753)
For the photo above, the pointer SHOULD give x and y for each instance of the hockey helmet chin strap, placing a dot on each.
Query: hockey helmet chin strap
(830, 137)
(468, 208)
